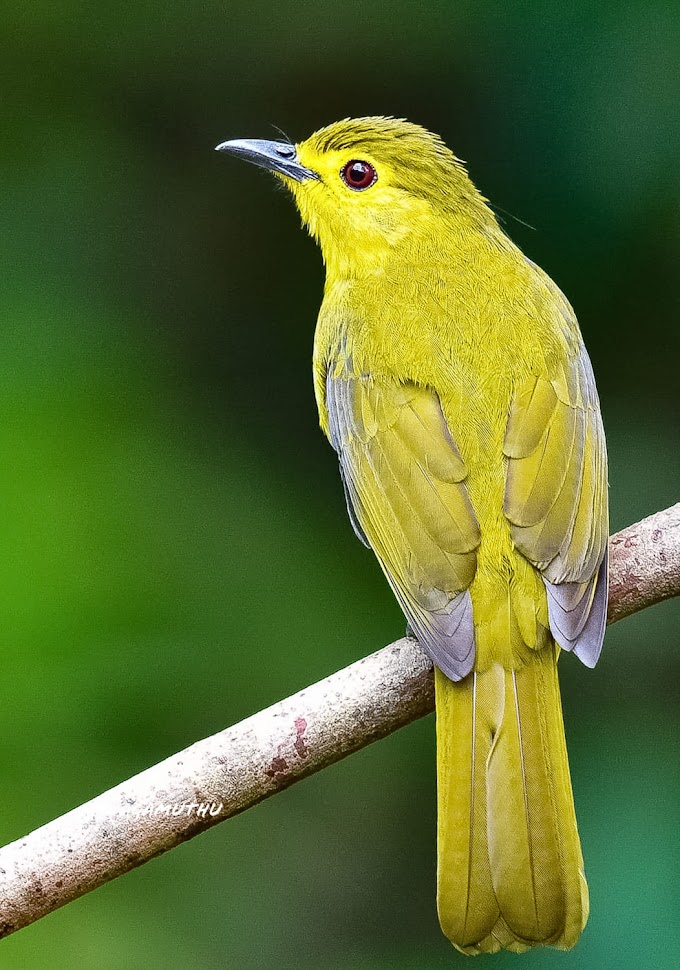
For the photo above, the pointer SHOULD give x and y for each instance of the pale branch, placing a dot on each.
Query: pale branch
(227, 773)
(644, 564)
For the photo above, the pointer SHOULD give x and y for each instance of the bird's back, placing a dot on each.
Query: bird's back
(474, 322)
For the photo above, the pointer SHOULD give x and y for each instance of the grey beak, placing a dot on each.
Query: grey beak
(275, 156)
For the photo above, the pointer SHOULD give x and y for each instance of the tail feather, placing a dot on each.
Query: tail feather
(510, 871)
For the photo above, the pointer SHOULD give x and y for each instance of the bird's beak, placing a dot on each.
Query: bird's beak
(275, 156)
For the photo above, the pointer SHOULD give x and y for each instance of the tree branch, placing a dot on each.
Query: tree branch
(227, 773)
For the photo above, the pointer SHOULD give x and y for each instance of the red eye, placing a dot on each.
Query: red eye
(358, 175)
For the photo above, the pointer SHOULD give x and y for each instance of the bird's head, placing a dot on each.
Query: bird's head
(367, 186)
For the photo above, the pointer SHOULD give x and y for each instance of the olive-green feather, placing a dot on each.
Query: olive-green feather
(556, 497)
(510, 866)
(406, 484)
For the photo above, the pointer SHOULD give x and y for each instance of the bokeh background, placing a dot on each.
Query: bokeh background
(174, 550)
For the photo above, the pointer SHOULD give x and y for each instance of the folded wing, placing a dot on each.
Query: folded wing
(404, 482)
(556, 498)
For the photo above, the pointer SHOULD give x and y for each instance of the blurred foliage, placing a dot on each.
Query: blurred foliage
(175, 548)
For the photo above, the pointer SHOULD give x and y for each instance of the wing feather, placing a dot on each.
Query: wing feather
(404, 482)
(556, 498)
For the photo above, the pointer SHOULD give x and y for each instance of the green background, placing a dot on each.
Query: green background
(174, 549)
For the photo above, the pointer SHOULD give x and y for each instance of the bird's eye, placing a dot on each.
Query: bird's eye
(358, 175)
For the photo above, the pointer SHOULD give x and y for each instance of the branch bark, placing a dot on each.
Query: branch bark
(223, 775)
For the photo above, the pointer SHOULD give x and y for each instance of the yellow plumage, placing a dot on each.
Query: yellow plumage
(452, 380)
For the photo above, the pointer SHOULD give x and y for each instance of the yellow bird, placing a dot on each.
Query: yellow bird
(452, 381)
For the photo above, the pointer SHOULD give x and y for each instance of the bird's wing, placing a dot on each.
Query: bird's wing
(556, 498)
(404, 482)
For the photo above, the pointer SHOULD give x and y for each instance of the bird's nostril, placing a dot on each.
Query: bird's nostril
(285, 151)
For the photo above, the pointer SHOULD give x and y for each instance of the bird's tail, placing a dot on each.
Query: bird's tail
(510, 869)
